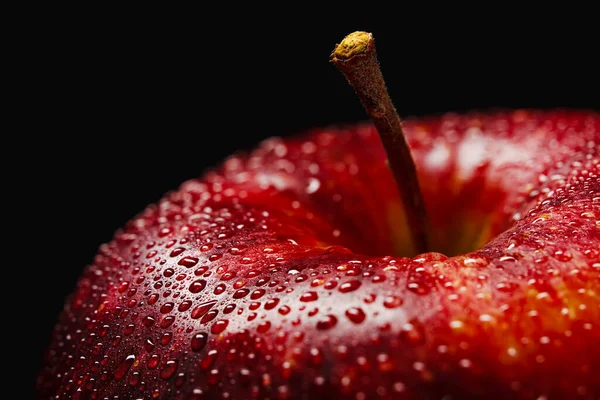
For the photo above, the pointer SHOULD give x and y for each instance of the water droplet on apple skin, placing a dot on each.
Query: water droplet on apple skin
(356, 315)
(349, 286)
(327, 322)
(124, 367)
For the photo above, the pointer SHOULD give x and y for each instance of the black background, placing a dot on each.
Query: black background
(125, 109)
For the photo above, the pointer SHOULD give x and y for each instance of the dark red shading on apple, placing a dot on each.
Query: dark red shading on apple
(282, 275)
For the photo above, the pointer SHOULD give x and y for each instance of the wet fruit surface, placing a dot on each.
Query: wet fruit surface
(288, 274)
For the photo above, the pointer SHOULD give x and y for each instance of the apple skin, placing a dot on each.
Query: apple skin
(280, 274)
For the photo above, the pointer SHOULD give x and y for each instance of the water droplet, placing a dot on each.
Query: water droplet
(506, 287)
(167, 321)
(123, 368)
(184, 306)
(257, 294)
(153, 361)
(214, 257)
(220, 289)
(202, 309)
(270, 304)
(238, 294)
(166, 338)
(330, 285)
(228, 276)
(209, 316)
(355, 315)
(229, 308)
(309, 296)
(149, 345)
(413, 333)
(197, 286)
(416, 288)
(263, 327)
(177, 251)
(134, 378)
(398, 387)
(392, 302)
(327, 322)
(167, 308)
(262, 281)
(284, 310)
(370, 298)
(168, 369)
(562, 255)
(317, 282)
(219, 326)
(384, 363)
(456, 324)
(153, 298)
(349, 286)
(148, 321)
(179, 381)
(199, 341)
(209, 360)
(188, 262)
(316, 357)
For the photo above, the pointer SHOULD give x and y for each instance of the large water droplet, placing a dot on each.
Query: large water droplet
(188, 262)
(184, 306)
(327, 322)
(124, 367)
(219, 289)
(153, 361)
(168, 369)
(309, 296)
(270, 304)
(257, 294)
(355, 315)
(197, 286)
(167, 308)
(199, 341)
(219, 326)
(392, 301)
(209, 316)
(167, 321)
(177, 251)
(228, 308)
(209, 360)
(202, 309)
(263, 327)
(284, 310)
(148, 321)
(349, 286)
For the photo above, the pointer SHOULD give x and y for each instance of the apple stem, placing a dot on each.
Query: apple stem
(356, 58)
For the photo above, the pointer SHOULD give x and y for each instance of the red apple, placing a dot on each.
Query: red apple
(283, 273)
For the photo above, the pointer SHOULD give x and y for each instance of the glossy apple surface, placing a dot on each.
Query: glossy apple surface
(283, 274)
